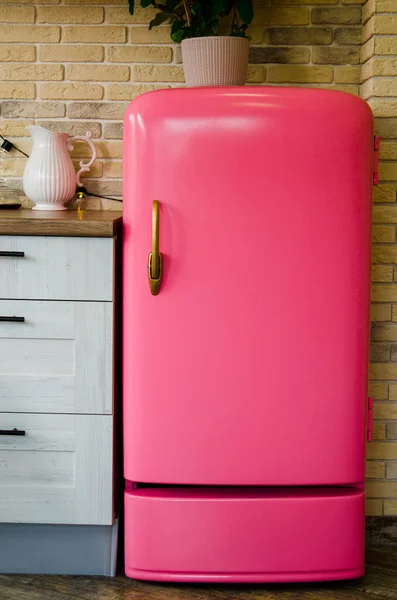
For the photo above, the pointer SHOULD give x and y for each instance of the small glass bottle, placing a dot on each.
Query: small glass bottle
(9, 198)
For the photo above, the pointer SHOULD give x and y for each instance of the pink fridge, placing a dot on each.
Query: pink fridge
(247, 228)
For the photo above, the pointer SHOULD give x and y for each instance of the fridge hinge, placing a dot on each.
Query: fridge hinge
(369, 419)
(376, 159)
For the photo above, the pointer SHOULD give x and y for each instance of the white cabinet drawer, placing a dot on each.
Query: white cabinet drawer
(60, 471)
(58, 359)
(56, 268)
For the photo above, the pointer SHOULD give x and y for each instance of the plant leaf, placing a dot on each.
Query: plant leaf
(177, 31)
(227, 7)
(131, 6)
(172, 4)
(216, 8)
(160, 18)
(197, 8)
(245, 10)
(240, 31)
(205, 16)
(177, 26)
(178, 36)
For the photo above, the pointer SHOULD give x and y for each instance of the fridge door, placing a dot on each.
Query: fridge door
(250, 365)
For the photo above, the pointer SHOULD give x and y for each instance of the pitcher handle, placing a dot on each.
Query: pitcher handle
(84, 166)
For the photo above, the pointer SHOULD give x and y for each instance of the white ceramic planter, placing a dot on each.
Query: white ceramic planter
(216, 60)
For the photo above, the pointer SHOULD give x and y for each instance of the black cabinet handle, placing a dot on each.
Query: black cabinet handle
(11, 253)
(14, 431)
(12, 319)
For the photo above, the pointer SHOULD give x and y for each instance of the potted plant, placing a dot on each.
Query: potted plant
(208, 58)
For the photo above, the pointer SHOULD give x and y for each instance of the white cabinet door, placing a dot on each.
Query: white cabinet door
(59, 471)
(56, 268)
(57, 358)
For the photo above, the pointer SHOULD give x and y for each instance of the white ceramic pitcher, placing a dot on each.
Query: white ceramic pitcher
(49, 178)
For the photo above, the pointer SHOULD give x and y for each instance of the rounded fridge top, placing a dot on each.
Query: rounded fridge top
(226, 98)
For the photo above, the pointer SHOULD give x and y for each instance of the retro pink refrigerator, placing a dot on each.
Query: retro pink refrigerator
(247, 227)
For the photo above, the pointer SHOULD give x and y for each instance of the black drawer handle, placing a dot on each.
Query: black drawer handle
(12, 319)
(14, 431)
(11, 253)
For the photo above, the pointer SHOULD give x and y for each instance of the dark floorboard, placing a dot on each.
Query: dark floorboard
(379, 583)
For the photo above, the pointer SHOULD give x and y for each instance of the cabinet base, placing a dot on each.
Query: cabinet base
(244, 535)
(58, 549)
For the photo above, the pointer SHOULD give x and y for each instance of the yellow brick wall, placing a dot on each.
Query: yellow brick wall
(379, 88)
(73, 65)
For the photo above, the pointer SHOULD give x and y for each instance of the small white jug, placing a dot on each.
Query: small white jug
(49, 178)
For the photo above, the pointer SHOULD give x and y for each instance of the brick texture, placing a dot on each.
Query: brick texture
(348, 35)
(97, 110)
(30, 34)
(14, 127)
(390, 507)
(382, 450)
(286, 55)
(32, 110)
(375, 470)
(17, 91)
(383, 233)
(380, 313)
(70, 14)
(373, 508)
(347, 74)
(338, 16)
(70, 91)
(300, 35)
(384, 107)
(71, 53)
(96, 35)
(97, 73)
(379, 431)
(121, 14)
(142, 35)
(331, 55)
(378, 391)
(31, 72)
(139, 54)
(153, 73)
(128, 92)
(388, 151)
(16, 53)
(392, 431)
(300, 74)
(114, 169)
(282, 16)
(17, 14)
(379, 77)
(385, 410)
(113, 131)
(73, 127)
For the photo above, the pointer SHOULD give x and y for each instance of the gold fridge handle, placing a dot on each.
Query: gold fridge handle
(155, 261)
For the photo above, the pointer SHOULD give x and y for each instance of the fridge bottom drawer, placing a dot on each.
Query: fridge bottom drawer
(244, 535)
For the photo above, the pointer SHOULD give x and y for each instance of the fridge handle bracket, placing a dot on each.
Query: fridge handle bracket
(155, 282)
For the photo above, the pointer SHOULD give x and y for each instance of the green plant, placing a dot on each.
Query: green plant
(196, 18)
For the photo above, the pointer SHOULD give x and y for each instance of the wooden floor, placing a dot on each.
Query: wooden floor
(379, 583)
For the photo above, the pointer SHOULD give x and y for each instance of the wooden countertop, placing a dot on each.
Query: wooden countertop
(84, 223)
